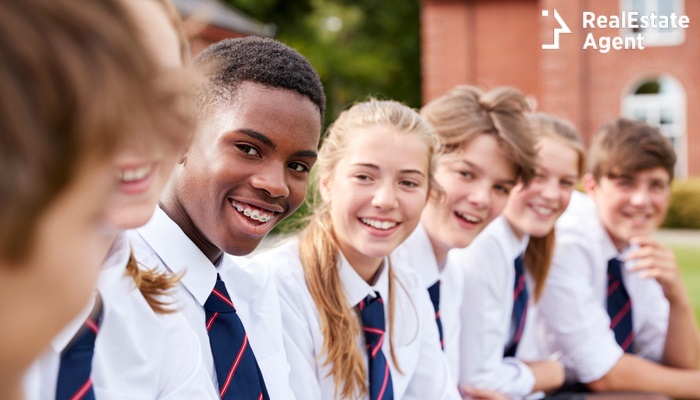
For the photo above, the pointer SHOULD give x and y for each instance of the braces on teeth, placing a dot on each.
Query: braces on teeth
(252, 214)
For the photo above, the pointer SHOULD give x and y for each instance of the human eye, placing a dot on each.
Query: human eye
(298, 167)
(658, 185)
(409, 183)
(362, 177)
(466, 174)
(248, 150)
(567, 183)
(502, 189)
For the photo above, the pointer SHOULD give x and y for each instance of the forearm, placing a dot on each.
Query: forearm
(632, 373)
(682, 348)
(549, 375)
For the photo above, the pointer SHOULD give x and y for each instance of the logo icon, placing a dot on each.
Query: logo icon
(563, 28)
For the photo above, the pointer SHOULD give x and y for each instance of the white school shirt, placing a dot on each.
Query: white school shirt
(161, 243)
(417, 253)
(415, 337)
(139, 354)
(487, 310)
(573, 304)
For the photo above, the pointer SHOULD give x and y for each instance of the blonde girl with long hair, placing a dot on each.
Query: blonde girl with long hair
(130, 326)
(356, 324)
(506, 267)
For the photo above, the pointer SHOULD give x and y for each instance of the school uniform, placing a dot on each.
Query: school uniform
(574, 301)
(138, 353)
(487, 306)
(415, 337)
(162, 244)
(416, 252)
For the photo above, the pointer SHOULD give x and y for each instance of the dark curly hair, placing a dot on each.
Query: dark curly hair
(268, 62)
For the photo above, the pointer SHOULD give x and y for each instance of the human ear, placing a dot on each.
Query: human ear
(325, 189)
(589, 183)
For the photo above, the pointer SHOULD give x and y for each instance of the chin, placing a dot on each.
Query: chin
(130, 218)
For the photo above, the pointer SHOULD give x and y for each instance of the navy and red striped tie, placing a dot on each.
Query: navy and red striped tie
(520, 300)
(619, 307)
(237, 369)
(372, 314)
(434, 292)
(74, 381)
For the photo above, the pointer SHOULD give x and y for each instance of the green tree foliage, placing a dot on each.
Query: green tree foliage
(361, 48)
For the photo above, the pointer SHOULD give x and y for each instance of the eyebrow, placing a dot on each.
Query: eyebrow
(403, 171)
(259, 136)
(267, 142)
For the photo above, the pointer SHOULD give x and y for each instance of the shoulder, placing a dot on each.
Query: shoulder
(284, 267)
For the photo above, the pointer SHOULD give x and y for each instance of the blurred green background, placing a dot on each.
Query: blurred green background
(688, 258)
(359, 47)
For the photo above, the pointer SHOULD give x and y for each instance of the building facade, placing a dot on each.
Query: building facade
(599, 70)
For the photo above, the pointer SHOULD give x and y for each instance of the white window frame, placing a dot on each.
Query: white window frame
(652, 105)
(657, 37)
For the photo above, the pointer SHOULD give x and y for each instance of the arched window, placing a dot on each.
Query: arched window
(657, 36)
(660, 101)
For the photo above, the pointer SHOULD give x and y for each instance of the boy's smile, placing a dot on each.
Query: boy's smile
(633, 205)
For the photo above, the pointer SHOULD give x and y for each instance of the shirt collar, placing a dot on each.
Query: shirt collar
(515, 247)
(417, 251)
(118, 254)
(180, 255)
(64, 337)
(356, 289)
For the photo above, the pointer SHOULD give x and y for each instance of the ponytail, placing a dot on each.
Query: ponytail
(154, 286)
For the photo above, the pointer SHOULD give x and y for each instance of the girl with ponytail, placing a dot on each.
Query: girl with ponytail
(506, 267)
(357, 325)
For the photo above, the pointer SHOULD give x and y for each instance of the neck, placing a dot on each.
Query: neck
(519, 233)
(365, 266)
(177, 212)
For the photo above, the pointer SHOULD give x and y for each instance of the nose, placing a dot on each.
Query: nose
(480, 195)
(550, 189)
(272, 180)
(385, 196)
(640, 197)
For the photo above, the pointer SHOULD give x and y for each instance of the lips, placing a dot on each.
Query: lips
(135, 180)
(254, 213)
(542, 211)
(379, 224)
(472, 219)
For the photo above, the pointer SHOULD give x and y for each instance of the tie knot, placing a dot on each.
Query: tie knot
(519, 266)
(372, 314)
(615, 268)
(219, 300)
(434, 292)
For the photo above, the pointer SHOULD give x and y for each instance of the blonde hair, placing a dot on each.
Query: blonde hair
(466, 112)
(538, 255)
(319, 249)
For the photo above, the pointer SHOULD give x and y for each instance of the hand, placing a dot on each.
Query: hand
(655, 260)
(481, 394)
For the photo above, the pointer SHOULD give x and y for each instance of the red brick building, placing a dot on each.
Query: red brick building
(209, 21)
(491, 43)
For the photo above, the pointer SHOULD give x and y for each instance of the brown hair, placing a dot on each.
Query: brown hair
(76, 83)
(538, 255)
(465, 112)
(625, 147)
(319, 249)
